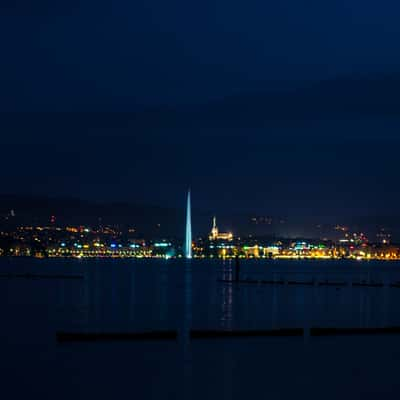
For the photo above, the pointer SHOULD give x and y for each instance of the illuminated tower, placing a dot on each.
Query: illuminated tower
(214, 230)
(188, 239)
(215, 234)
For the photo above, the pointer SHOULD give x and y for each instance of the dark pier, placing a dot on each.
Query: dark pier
(213, 334)
(115, 336)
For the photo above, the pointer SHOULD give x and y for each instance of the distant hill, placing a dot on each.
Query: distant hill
(154, 221)
(147, 220)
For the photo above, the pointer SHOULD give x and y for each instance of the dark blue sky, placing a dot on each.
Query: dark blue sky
(240, 112)
(99, 54)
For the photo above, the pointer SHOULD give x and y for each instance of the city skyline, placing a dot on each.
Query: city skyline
(151, 220)
(105, 241)
(57, 241)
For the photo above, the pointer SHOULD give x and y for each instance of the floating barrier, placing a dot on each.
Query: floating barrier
(362, 284)
(309, 283)
(41, 276)
(327, 283)
(115, 336)
(252, 282)
(354, 331)
(63, 337)
(395, 285)
(214, 334)
(294, 332)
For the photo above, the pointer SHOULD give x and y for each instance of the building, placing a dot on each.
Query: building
(216, 235)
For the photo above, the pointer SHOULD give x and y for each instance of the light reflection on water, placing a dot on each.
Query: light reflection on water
(150, 295)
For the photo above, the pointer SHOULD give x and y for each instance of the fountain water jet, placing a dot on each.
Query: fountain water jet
(188, 238)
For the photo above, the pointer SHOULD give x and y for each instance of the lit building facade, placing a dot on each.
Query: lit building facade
(216, 235)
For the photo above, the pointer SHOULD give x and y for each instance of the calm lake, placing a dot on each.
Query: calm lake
(150, 295)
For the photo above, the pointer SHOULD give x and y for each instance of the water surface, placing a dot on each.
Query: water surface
(137, 295)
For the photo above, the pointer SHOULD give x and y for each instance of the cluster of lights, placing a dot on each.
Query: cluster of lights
(84, 242)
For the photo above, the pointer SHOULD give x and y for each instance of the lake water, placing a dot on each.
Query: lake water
(142, 295)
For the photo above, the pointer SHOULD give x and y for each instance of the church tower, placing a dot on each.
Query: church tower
(214, 229)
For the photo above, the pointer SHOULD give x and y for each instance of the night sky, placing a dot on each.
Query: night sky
(286, 107)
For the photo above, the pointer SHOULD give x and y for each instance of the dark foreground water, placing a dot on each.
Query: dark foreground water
(149, 295)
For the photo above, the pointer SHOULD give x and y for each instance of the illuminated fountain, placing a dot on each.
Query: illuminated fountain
(188, 238)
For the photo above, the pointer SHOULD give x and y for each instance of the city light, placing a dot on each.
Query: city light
(57, 241)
